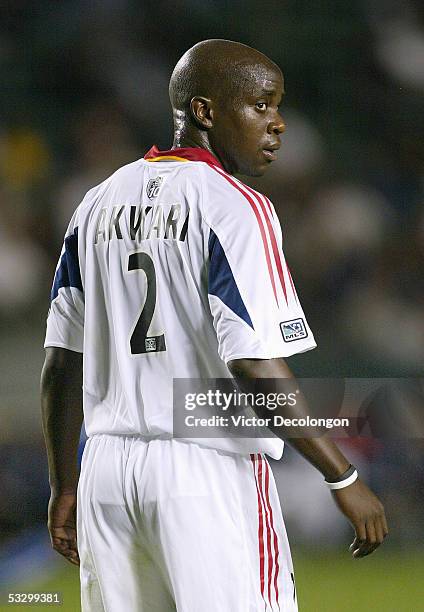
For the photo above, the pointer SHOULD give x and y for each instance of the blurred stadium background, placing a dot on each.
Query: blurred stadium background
(84, 90)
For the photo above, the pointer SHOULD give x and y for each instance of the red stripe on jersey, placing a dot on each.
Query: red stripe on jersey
(269, 205)
(259, 220)
(268, 528)
(277, 567)
(260, 533)
(273, 241)
(187, 153)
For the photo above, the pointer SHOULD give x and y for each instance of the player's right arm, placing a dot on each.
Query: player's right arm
(61, 393)
(61, 408)
(360, 506)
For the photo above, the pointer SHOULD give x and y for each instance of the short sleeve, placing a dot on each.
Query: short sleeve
(253, 301)
(65, 321)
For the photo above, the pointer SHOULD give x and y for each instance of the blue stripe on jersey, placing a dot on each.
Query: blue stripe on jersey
(221, 280)
(68, 273)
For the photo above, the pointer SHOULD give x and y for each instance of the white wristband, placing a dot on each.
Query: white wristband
(343, 483)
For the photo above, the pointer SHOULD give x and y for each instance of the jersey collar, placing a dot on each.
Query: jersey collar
(182, 154)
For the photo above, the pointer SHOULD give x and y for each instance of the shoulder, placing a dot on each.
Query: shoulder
(229, 197)
(119, 176)
(128, 173)
(223, 185)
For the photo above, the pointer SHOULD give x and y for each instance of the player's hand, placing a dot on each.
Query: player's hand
(366, 513)
(62, 525)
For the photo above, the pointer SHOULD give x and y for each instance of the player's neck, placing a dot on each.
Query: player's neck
(187, 138)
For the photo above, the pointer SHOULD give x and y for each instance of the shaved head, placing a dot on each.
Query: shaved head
(225, 98)
(216, 68)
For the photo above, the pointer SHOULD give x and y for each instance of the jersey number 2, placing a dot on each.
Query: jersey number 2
(140, 342)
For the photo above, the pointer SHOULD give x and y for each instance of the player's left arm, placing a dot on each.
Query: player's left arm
(62, 416)
(356, 501)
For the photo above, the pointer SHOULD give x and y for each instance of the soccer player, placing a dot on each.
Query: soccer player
(173, 268)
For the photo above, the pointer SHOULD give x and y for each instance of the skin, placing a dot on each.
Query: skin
(225, 98)
(62, 416)
(360, 506)
(240, 126)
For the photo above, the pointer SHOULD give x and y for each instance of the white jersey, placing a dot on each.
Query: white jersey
(170, 268)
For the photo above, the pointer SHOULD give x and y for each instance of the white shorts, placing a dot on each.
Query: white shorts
(166, 525)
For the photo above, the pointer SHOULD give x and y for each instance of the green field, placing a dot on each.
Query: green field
(326, 583)
(379, 583)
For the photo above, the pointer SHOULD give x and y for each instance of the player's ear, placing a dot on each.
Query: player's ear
(202, 112)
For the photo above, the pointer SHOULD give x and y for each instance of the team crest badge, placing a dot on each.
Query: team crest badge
(153, 187)
(293, 330)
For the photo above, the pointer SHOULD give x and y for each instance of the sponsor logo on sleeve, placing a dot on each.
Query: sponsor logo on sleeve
(293, 330)
(153, 187)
